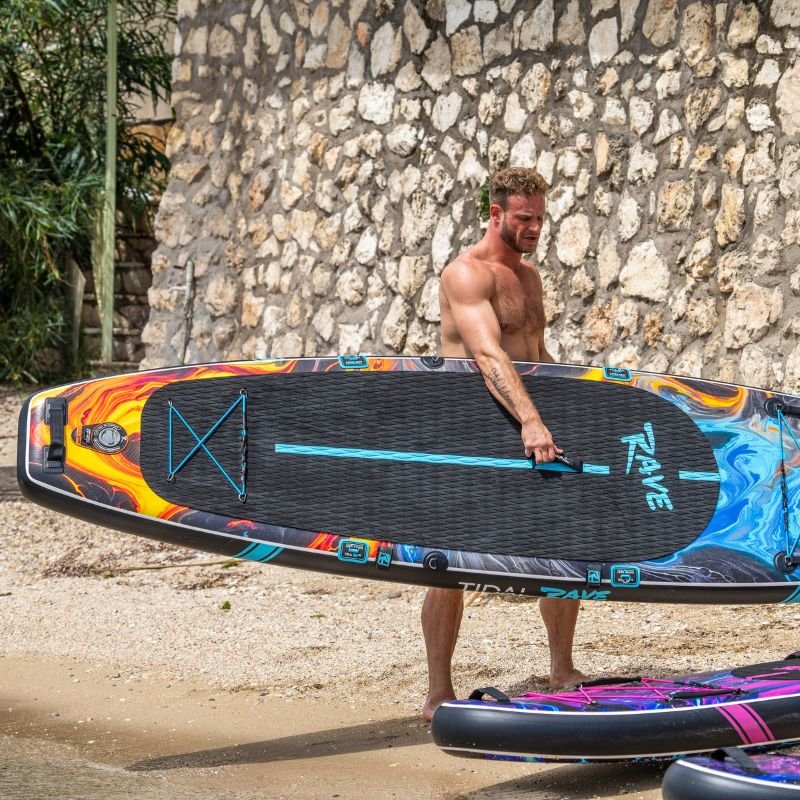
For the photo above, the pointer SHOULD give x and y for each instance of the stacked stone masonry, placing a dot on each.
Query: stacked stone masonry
(132, 279)
(328, 158)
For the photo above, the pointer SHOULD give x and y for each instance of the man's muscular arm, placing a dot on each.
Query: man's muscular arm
(469, 290)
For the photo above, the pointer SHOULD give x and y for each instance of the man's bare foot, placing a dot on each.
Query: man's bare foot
(566, 680)
(433, 702)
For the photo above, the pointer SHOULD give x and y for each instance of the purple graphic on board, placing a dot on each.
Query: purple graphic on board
(636, 718)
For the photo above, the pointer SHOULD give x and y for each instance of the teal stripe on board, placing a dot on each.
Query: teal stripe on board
(243, 553)
(687, 475)
(260, 552)
(275, 551)
(430, 458)
(794, 597)
(594, 469)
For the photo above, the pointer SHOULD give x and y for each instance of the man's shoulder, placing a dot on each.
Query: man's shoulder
(468, 272)
(469, 264)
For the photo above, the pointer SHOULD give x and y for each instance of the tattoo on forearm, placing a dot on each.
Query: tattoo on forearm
(502, 389)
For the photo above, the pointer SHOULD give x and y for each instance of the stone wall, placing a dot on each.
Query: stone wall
(328, 157)
(132, 279)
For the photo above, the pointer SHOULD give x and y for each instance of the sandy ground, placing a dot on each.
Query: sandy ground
(120, 652)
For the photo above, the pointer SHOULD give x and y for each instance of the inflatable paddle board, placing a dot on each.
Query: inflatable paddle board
(406, 469)
(618, 719)
(732, 774)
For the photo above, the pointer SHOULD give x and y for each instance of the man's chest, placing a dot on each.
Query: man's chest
(517, 303)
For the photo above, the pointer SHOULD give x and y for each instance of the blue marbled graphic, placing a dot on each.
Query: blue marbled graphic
(749, 516)
(774, 767)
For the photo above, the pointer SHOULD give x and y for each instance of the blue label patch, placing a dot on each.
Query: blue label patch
(617, 374)
(353, 551)
(384, 558)
(353, 362)
(624, 576)
(594, 576)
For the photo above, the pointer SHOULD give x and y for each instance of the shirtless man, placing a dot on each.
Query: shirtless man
(492, 311)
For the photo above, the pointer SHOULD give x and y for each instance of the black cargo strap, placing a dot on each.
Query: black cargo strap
(55, 417)
(501, 697)
(700, 691)
(611, 681)
(739, 756)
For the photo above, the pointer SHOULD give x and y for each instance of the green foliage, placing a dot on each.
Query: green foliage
(52, 149)
(483, 202)
(42, 219)
(226, 606)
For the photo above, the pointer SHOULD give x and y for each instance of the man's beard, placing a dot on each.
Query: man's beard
(508, 237)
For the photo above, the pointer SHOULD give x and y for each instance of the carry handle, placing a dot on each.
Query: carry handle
(501, 697)
(55, 417)
(575, 464)
(561, 463)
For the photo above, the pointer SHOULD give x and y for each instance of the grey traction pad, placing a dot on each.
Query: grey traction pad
(518, 512)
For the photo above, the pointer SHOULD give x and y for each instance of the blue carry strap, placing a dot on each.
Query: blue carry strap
(172, 471)
(791, 544)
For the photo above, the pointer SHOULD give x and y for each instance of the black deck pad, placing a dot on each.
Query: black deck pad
(774, 671)
(484, 509)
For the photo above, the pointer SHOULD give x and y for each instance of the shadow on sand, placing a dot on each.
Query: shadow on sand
(576, 781)
(402, 732)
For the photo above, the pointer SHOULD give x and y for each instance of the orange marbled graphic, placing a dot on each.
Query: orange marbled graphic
(95, 397)
(242, 525)
(381, 365)
(324, 541)
(732, 402)
(76, 487)
(120, 399)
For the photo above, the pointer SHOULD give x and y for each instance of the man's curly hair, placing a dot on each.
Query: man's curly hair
(515, 181)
